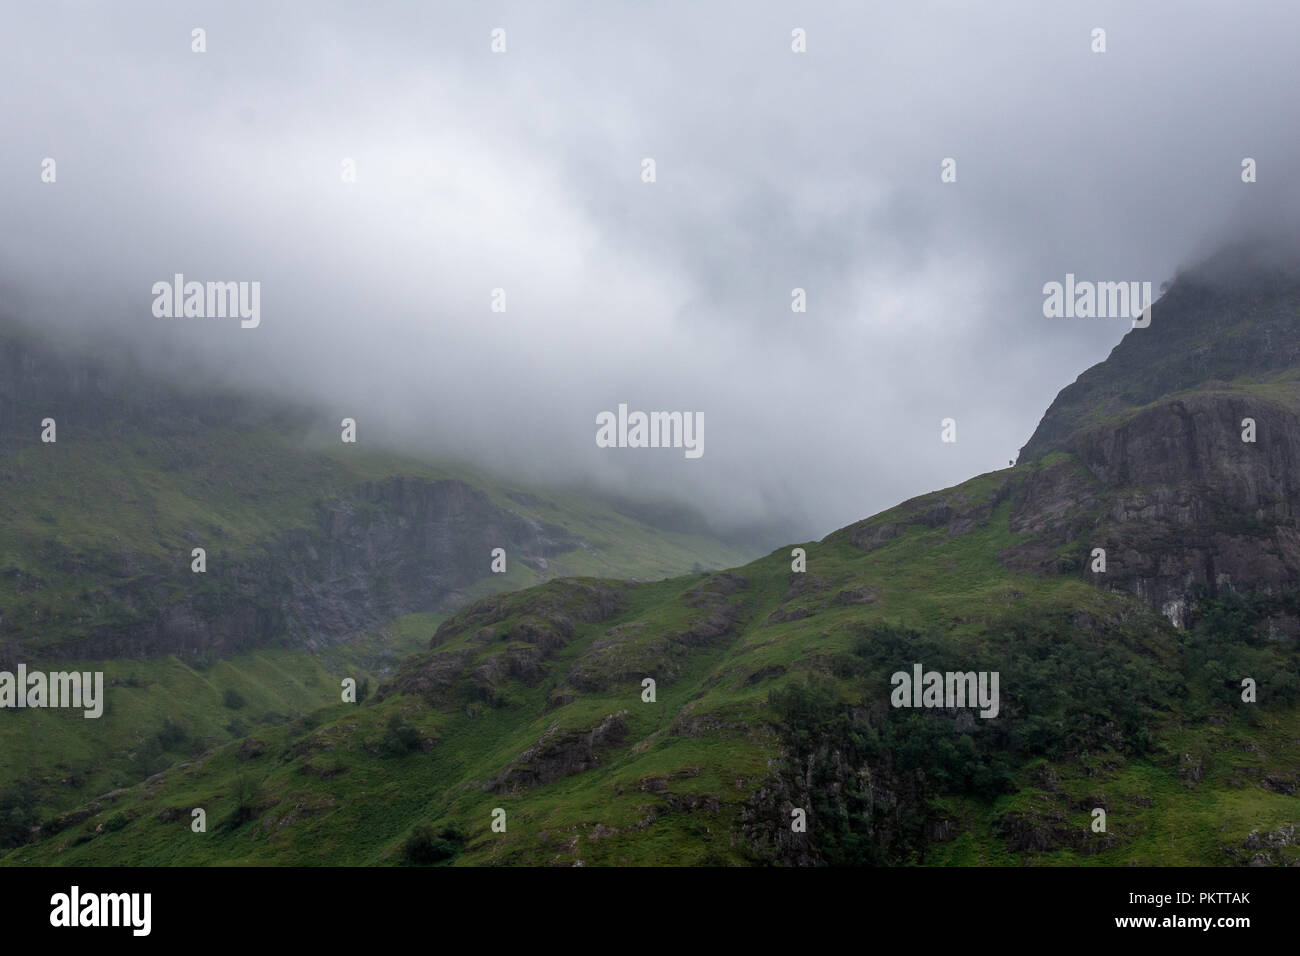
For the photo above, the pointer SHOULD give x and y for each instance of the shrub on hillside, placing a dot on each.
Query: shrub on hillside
(17, 817)
(400, 739)
(424, 846)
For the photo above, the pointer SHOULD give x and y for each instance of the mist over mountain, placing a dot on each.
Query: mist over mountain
(1089, 658)
(1229, 315)
(521, 171)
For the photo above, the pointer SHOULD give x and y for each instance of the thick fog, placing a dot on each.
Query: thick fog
(523, 170)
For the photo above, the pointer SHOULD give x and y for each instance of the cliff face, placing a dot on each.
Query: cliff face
(393, 547)
(1169, 485)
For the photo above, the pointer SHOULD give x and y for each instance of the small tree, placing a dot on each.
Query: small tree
(400, 739)
(424, 846)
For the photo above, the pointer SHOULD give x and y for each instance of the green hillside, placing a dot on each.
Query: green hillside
(772, 693)
(321, 558)
(57, 537)
(1133, 583)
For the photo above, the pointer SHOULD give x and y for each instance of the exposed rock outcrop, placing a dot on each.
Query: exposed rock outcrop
(1158, 473)
(559, 754)
(391, 547)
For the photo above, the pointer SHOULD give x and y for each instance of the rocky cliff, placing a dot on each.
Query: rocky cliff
(392, 547)
(1180, 454)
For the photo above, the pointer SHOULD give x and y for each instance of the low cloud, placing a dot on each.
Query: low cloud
(521, 171)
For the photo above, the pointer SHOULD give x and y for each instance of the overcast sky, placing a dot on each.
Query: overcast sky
(522, 170)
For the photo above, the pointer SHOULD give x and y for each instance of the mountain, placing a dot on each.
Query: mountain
(1147, 713)
(308, 540)
(320, 555)
(1150, 458)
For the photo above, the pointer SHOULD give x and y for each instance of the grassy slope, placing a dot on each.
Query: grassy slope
(325, 793)
(71, 508)
(64, 759)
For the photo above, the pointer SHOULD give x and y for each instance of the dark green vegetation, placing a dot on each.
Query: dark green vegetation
(1120, 690)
